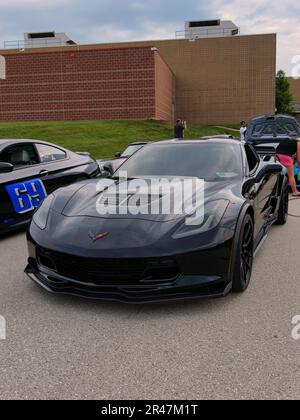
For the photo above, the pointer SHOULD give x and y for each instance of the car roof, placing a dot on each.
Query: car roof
(8, 142)
(201, 140)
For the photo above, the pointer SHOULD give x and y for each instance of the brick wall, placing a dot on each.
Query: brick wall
(83, 84)
(165, 90)
(218, 81)
(295, 89)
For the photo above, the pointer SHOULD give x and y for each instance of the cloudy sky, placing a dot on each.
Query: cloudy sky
(121, 20)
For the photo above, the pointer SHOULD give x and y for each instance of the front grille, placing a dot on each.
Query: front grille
(109, 271)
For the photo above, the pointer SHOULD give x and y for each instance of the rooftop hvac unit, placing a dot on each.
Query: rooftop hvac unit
(46, 39)
(210, 29)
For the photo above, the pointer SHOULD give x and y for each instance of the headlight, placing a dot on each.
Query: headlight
(40, 217)
(213, 214)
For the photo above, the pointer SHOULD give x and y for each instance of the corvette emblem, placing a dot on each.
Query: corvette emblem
(98, 236)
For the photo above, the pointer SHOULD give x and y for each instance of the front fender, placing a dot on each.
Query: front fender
(246, 208)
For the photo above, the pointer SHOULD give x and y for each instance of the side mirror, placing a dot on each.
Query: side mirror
(6, 167)
(118, 155)
(107, 171)
(268, 169)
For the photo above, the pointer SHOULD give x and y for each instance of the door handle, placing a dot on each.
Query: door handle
(44, 172)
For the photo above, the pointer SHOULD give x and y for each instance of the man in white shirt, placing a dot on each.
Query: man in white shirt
(243, 130)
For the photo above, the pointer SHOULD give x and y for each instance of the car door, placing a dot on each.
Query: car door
(264, 191)
(21, 190)
(58, 167)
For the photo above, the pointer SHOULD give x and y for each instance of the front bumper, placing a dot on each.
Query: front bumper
(184, 288)
(189, 282)
(6, 229)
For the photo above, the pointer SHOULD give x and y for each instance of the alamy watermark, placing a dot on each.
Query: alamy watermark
(296, 328)
(156, 196)
(2, 328)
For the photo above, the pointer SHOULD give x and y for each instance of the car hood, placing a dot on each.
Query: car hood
(90, 199)
(74, 225)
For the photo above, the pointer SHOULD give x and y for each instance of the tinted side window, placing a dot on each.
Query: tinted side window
(50, 153)
(252, 157)
(20, 155)
(131, 150)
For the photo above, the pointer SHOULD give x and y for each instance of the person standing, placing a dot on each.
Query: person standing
(286, 151)
(179, 129)
(243, 130)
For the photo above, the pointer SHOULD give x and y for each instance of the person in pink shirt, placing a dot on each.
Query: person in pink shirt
(286, 151)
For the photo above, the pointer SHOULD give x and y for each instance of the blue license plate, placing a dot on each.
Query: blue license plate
(26, 196)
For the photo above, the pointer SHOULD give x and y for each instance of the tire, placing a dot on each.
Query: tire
(283, 211)
(243, 256)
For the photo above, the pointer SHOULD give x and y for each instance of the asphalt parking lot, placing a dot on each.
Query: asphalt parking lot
(238, 347)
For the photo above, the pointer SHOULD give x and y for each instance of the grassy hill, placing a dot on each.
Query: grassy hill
(101, 138)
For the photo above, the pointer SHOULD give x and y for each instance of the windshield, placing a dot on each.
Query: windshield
(208, 161)
(131, 150)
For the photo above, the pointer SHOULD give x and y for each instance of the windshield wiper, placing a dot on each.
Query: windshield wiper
(127, 179)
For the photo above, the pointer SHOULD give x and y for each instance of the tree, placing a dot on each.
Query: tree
(284, 97)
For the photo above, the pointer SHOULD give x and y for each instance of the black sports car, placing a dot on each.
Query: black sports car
(269, 129)
(74, 249)
(266, 133)
(32, 169)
